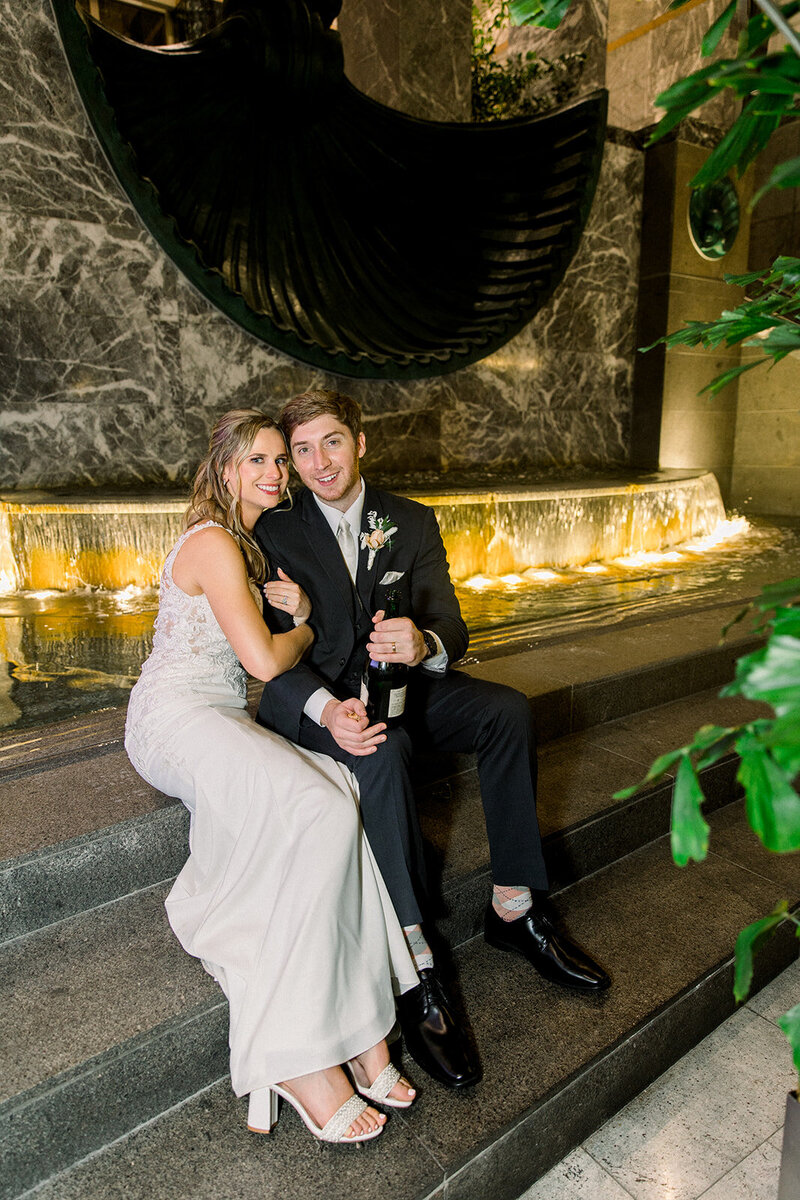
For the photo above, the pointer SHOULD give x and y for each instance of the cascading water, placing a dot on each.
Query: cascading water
(502, 532)
(79, 544)
(78, 577)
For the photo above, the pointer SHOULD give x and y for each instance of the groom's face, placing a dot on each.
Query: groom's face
(326, 459)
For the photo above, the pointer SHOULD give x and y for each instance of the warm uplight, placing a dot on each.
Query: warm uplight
(542, 575)
(512, 580)
(594, 569)
(724, 531)
(648, 558)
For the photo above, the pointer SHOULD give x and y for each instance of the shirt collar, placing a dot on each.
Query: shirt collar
(334, 515)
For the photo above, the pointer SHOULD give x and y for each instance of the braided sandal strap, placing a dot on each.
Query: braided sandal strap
(381, 1087)
(335, 1129)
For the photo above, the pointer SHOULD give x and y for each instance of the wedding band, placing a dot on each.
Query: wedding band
(394, 647)
(285, 599)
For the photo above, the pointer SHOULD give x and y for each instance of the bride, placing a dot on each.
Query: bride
(280, 898)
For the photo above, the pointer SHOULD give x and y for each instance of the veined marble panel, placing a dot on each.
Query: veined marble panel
(675, 52)
(435, 52)
(639, 70)
(79, 423)
(555, 408)
(88, 357)
(94, 268)
(224, 368)
(50, 164)
(413, 55)
(112, 368)
(370, 33)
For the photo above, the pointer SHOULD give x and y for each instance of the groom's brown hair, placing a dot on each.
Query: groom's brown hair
(312, 404)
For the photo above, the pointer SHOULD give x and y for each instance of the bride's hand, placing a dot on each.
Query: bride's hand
(289, 597)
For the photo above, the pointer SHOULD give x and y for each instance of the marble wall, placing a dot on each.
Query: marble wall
(649, 48)
(413, 55)
(112, 368)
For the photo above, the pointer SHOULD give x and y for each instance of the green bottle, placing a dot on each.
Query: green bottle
(386, 681)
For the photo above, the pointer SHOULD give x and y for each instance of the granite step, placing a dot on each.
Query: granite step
(79, 828)
(583, 827)
(130, 1038)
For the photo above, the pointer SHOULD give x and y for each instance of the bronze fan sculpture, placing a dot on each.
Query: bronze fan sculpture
(337, 230)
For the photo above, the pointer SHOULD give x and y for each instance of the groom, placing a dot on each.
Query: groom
(347, 544)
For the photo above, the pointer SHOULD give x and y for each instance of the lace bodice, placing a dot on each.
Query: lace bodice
(191, 657)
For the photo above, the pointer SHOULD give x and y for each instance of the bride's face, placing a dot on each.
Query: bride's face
(262, 477)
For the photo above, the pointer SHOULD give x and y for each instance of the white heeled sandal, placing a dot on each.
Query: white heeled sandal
(378, 1091)
(262, 1113)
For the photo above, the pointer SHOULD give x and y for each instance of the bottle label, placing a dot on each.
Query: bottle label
(364, 691)
(397, 702)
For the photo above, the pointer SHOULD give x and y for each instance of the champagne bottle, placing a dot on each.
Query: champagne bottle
(386, 681)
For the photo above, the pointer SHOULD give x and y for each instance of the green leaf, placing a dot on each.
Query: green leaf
(748, 942)
(658, 770)
(785, 175)
(781, 340)
(743, 280)
(790, 1024)
(772, 804)
(683, 91)
(723, 744)
(783, 740)
(786, 591)
(715, 34)
(760, 29)
(545, 13)
(721, 381)
(689, 836)
(773, 675)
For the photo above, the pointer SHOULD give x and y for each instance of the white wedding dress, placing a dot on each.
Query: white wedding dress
(280, 898)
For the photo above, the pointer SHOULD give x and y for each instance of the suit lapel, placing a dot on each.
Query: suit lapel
(367, 580)
(324, 545)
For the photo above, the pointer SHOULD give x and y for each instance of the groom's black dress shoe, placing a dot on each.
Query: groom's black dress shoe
(553, 955)
(432, 1036)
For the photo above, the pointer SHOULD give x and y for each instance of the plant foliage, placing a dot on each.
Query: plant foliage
(768, 319)
(769, 766)
(768, 84)
(523, 85)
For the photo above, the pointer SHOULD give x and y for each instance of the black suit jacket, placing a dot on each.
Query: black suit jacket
(300, 541)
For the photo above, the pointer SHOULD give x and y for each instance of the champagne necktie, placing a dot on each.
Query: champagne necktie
(347, 545)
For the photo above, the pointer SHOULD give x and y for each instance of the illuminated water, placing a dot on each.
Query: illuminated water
(82, 648)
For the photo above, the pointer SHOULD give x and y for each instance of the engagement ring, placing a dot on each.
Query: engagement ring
(285, 599)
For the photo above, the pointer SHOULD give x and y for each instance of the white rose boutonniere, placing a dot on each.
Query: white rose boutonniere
(380, 534)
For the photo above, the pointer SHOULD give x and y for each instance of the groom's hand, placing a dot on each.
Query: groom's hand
(348, 724)
(396, 640)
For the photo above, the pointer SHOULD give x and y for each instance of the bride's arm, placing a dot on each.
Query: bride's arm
(211, 562)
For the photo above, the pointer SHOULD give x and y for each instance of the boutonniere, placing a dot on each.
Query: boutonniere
(380, 535)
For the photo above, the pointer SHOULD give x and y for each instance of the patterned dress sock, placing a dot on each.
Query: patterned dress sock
(418, 945)
(510, 903)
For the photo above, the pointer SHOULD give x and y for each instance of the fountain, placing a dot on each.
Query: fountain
(74, 543)
(79, 576)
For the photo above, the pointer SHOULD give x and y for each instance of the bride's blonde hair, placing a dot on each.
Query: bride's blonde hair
(231, 440)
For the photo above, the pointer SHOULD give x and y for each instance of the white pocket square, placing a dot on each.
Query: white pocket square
(391, 577)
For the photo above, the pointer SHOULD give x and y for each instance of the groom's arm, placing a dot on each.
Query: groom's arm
(286, 697)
